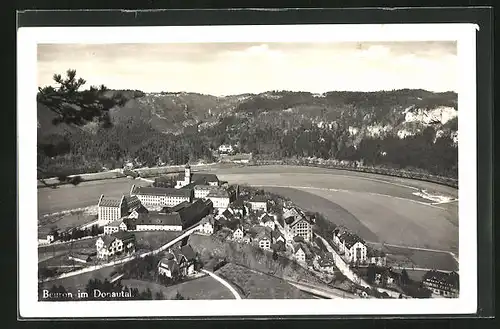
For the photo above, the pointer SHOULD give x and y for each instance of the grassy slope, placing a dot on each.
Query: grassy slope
(202, 288)
(258, 285)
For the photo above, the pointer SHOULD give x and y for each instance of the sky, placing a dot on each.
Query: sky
(237, 68)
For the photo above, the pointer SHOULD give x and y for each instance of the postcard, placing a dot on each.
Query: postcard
(181, 168)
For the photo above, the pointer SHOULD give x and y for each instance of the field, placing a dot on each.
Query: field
(63, 222)
(202, 288)
(257, 285)
(378, 208)
(51, 200)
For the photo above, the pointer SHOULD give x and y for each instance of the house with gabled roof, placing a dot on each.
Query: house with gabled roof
(238, 207)
(258, 202)
(110, 245)
(185, 257)
(116, 226)
(238, 233)
(168, 266)
(376, 257)
(442, 284)
(207, 226)
(297, 224)
(351, 245)
(299, 254)
(267, 220)
(219, 198)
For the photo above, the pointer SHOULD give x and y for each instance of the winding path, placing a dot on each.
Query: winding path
(223, 282)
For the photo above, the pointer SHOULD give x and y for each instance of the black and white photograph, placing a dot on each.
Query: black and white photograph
(268, 166)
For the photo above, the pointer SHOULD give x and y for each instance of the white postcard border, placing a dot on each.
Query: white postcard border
(28, 38)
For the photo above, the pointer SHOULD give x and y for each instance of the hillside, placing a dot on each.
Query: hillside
(402, 128)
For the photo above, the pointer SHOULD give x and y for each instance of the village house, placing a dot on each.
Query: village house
(263, 238)
(297, 224)
(110, 245)
(219, 198)
(277, 236)
(299, 254)
(326, 264)
(156, 198)
(113, 227)
(353, 247)
(267, 220)
(226, 149)
(225, 215)
(134, 214)
(258, 202)
(185, 257)
(376, 257)
(442, 284)
(238, 207)
(168, 266)
(207, 226)
(201, 191)
(238, 234)
(188, 178)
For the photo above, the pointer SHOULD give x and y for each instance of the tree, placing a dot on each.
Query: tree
(405, 279)
(371, 273)
(159, 295)
(75, 107)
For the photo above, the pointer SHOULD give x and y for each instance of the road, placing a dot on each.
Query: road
(223, 282)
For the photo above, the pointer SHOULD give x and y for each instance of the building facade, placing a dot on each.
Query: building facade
(114, 227)
(110, 245)
(110, 209)
(441, 284)
(188, 178)
(297, 224)
(353, 247)
(156, 198)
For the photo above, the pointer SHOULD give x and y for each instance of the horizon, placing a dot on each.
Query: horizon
(217, 68)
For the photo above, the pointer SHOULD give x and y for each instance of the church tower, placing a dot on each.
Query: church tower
(187, 175)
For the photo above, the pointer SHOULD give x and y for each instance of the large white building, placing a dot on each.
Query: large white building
(353, 247)
(188, 178)
(258, 203)
(155, 198)
(112, 209)
(297, 224)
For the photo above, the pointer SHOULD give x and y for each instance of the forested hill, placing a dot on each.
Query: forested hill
(401, 128)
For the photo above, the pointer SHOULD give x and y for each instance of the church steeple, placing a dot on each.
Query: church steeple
(187, 174)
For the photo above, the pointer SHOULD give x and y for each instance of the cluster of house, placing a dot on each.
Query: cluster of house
(294, 235)
(354, 249)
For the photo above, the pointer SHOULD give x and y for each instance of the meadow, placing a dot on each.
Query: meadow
(252, 284)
